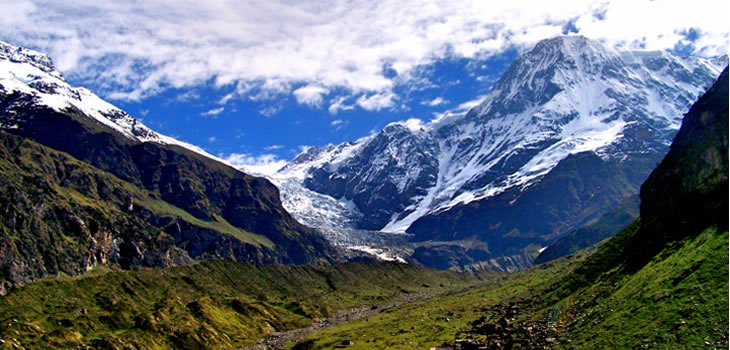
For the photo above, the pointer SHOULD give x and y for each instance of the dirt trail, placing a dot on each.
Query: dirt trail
(278, 340)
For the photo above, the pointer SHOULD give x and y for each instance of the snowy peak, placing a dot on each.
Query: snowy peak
(36, 59)
(567, 95)
(31, 73)
(550, 67)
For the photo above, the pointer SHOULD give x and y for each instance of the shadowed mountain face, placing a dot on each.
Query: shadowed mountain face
(85, 184)
(688, 191)
(604, 227)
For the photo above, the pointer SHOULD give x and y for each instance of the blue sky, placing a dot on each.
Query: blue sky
(254, 81)
(281, 126)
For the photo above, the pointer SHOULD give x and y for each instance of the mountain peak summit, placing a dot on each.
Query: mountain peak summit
(560, 42)
(37, 59)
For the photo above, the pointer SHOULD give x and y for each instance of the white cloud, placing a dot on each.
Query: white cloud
(310, 95)
(466, 106)
(131, 50)
(264, 164)
(414, 124)
(273, 147)
(377, 101)
(213, 112)
(226, 98)
(187, 96)
(435, 102)
(338, 104)
(338, 124)
(271, 110)
(212, 139)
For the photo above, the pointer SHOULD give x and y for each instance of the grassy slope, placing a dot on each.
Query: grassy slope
(209, 305)
(219, 224)
(678, 300)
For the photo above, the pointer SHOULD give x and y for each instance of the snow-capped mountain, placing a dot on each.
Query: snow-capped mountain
(32, 73)
(567, 96)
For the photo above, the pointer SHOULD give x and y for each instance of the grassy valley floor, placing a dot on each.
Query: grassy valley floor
(211, 305)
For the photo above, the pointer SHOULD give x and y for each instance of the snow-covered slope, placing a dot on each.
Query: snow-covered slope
(32, 73)
(566, 96)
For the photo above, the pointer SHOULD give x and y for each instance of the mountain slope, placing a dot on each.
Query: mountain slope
(606, 226)
(203, 208)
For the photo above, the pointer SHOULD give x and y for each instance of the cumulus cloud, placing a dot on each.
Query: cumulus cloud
(310, 95)
(131, 50)
(377, 101)
(414, 124)
(264, 164)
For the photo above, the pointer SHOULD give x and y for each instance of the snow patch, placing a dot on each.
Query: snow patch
(378, 253)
